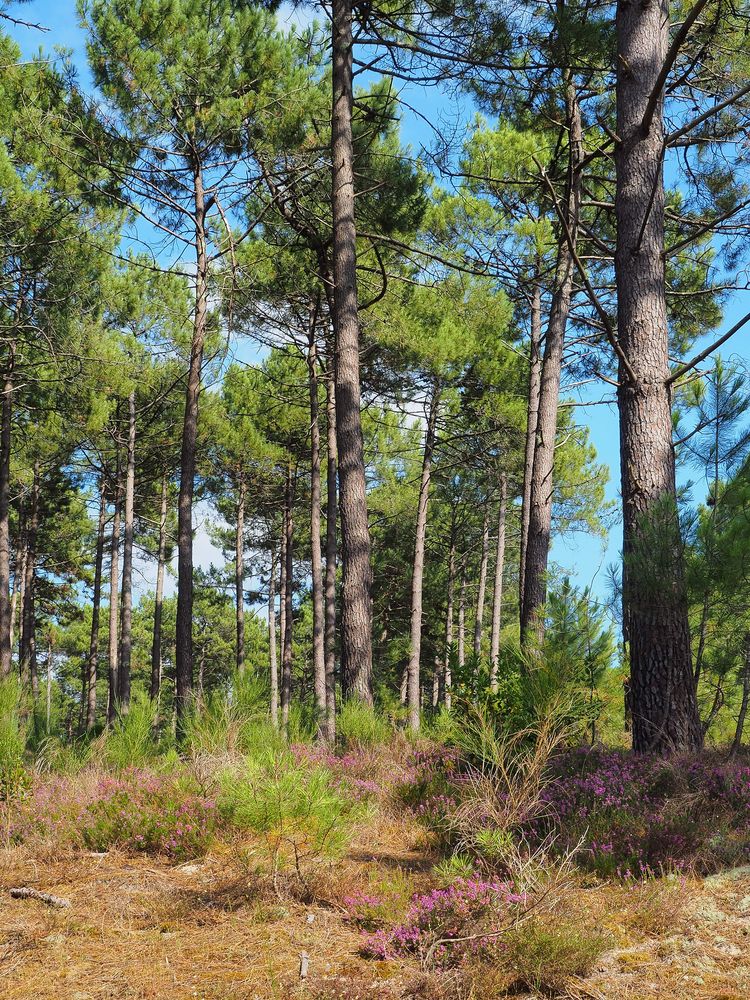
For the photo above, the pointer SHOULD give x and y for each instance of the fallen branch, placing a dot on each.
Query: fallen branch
(43, 897)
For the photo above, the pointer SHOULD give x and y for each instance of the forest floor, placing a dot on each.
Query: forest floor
(141, 928)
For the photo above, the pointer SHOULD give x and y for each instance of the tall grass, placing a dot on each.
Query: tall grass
(13, 774)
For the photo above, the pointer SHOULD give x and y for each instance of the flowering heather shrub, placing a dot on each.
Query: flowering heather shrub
(138, 811)
(469, 907)
(638, 814)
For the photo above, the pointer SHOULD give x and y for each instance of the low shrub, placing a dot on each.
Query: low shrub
(14, 777)
(132, 740)
(359, 725)
(544, 957)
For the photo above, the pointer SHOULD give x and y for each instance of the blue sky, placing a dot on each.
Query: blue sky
(586, 557)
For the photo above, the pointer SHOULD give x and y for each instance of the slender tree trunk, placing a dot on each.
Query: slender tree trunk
(286, 665)
(461, 644)
(447, 676)
(201, 673)
(532, 412)
(540, 496)
(737, 742)
(417, 577)
(184, 629)
(318, 604)
(239, 575)
(48, 665)
(655, 613)
(161, 558)
(282, 591)
(356, 584)
(114, 590)
(126, 606)
(273, 661)
(497, 595)
(482, 589)
(19, 583)
(330, 578)
(6, 420)
(28, 635)
(88, 694)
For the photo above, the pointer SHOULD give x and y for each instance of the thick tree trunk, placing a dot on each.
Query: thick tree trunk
(540, 496)
(497, 595)
(28, 634)
(356, 583)
(286, 663)
(447, 675)
(6, 420)
(655, 615)
(330, 578)
(532, 412)
(273, 661)
(114, 590)
(161, 558)
(239, 576)
(184, 629)
(482, 588)
(126, 605)
(316, 560)
(88, 693)
(417, 576)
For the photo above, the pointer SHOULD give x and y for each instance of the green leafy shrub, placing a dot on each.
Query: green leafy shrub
(132, 740)
(544, 957)
(360, 725)
(14, 777)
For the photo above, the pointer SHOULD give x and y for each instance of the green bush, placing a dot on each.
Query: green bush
(132, 740)
(360, 725)
(545, 957)
(14, 777)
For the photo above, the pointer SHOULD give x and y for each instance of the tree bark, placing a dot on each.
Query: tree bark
(273, 661)
(161, 558)
(417, 576)
(19, 582)
(318, 604)
(114, 590)
(655, 614)
(239, 575)
(6, 420)
(497, 595)
(330, 578)
(88, 694)
(28, 634)
(356, 583)
(48, 666)
(286, 664)
(532, 412)
(482, 588)
(447, 675)
(126, 606)
(540, 495)
(461, 643)
(184, 629)
(282, 590)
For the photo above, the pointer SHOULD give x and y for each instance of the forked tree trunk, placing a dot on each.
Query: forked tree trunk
(161, 558)
(273, 660)
(114, 590)
(239, 576)
(356, 583)
(184, 628)
(88, 693)
(28, 635)
(316, 560)
(286, 664)
(532, 412)
(655, 612)
(482, 588)
(540, 496)
(6, 420)
(330, 578)
(497, 595)
(417, 576)
(126, 607)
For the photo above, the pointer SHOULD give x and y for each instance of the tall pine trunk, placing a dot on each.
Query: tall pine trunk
(286, 596)
(28, 632)
(19, 582)
(6, 420)
(655, 613)
(540, 496)
(447, 676)
(239, 576)
(330, 577)
(356, 583)
(273, 661)
(88, 693)
(532, 412)
(461, 638)
(318, 604)
(417, 576)
(126, 605)
(497, 594)
(482, 588)
(184, 628)
(161, 558)
(114, 591)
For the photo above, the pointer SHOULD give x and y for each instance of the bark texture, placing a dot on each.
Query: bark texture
(532, 411)
(274, 663)
(316, 555)
(114, 590)
(28, 656)
(655, 618)
(482, 587)
(161, 557)
(286, 662)
(6, 420)
(126, 605)
(330, 578)
(497, 594)
(239, 576)
(88, 700)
